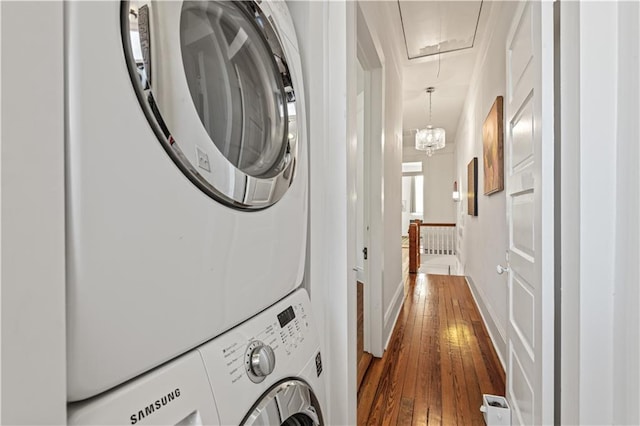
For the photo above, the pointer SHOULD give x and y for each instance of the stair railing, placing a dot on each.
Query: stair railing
(438, 238)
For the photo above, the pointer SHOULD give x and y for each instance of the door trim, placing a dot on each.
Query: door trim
(371, 62)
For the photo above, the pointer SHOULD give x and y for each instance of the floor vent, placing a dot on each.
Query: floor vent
(495, 410)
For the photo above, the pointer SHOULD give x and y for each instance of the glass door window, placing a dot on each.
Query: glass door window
(213, 80)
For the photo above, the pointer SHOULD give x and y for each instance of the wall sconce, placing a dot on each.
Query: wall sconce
(456, 193)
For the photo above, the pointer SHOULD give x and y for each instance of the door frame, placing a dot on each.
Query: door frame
(372, 63)
(362, 188)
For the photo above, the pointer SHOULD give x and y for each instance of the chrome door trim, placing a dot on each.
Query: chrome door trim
(280, 399)
(241, 190)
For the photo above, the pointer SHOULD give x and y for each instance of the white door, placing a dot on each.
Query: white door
(362, 186)
(529, 196)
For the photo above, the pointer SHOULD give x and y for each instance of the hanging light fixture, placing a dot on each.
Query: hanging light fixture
(430, 138)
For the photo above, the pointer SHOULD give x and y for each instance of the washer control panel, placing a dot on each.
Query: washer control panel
(255, 349)
(293, 323)
(242, 364)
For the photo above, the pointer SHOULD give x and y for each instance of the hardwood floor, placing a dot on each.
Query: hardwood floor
(439, 360)
(364, 358)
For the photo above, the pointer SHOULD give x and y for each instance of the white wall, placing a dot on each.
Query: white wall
(626, 303)
(406, 202)
(597, 218)
(601, 334)
(599, 225)
(439, 206)
(569, 229)
(484, 238)
(439, 175)
(326, 35)
(32, 265)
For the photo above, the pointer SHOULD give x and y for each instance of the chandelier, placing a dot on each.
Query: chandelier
(430, 138)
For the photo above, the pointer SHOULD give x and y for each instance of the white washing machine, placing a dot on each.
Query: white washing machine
(267, 371)
(177, 393)
(186, 178)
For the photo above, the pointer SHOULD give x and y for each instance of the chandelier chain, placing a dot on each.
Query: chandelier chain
(430, 117)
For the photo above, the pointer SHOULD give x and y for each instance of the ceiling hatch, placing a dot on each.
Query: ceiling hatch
(433, 27)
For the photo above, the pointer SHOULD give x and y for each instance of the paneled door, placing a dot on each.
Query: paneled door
(529, 202)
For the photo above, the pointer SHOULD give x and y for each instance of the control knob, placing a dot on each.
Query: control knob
(260, 360)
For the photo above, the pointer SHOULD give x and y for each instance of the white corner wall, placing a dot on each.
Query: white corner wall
(626, 320)
(483, 240)
(387, 41)
(32, 264)
(606, 321)
(327, 42)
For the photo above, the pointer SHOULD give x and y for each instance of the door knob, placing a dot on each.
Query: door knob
(501, 269)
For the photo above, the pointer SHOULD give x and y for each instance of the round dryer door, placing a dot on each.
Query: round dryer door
(213, 81)
(291, 403)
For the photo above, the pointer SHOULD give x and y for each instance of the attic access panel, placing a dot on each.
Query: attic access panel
(433, 27)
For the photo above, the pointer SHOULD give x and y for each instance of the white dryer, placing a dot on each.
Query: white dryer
(186, 178)
(267, 371)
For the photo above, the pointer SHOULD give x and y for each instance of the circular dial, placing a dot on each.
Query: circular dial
(260, 360)
(263, 361)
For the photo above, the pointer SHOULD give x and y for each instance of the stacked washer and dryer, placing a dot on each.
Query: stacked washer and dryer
(187, 216)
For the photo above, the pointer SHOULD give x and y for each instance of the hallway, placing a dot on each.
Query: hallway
(439, 361)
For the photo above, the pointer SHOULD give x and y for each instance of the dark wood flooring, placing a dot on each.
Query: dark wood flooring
(364, 358)
(439, 361)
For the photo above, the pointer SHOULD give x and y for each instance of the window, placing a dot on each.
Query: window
(413, 186)
(417, 194)
(412, 167)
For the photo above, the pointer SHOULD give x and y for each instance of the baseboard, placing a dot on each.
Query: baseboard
(391, 315)
(494, 330)
(459, 268)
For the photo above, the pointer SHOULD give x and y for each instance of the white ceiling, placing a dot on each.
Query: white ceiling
(432, 27)
(448, 99)
(450, 73)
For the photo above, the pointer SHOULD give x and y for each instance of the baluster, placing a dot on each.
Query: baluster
(426, 240)
(433, 241)
(435, 236)
(451, 244)
(451, 236)
(446, 245)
